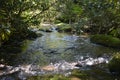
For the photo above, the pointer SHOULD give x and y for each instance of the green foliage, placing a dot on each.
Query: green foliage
(114, 64)
(17, 16)
(101, 15)
(69, 12)
(4, 34)
(80, 26)
(115, 32)
(106, 40)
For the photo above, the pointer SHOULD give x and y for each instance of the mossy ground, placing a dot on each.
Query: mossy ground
(94, 74)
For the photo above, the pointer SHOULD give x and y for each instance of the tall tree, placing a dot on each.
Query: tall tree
(103, 16)
(17, 15)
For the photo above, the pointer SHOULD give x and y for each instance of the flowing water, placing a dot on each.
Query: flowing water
(57, 52)
(54, 47)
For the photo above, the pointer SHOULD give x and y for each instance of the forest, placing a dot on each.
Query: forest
(80, 37)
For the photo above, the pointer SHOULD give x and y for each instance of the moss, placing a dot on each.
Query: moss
(114, 64)
(62, 27)
(60, 77)
(46, 77)
(99, 74)
(49, 77)
(77, 74)
(92, 74)
(106, 40)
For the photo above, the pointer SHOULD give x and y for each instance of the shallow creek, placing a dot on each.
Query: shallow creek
(55, 53)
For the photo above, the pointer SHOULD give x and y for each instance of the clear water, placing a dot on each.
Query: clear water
(54, 47)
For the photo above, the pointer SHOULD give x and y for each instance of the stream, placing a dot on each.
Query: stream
(54, 52)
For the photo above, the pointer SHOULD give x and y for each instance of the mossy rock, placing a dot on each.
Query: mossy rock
(63, 27)
(106, 40)
(114, 64)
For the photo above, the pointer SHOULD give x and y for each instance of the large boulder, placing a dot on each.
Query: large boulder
(106, 40)
(114, 64)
